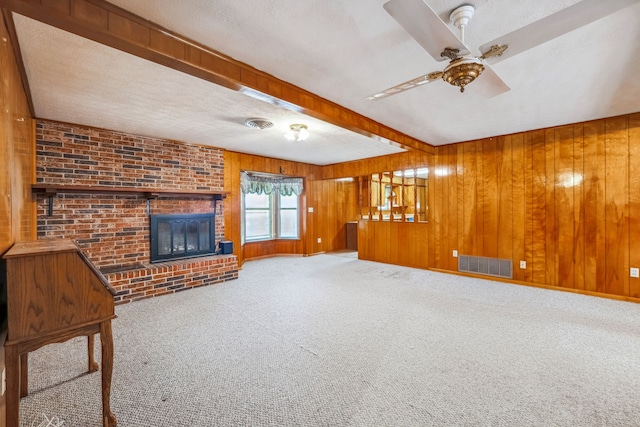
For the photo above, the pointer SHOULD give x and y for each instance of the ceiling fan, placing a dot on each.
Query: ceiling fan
(437, 38)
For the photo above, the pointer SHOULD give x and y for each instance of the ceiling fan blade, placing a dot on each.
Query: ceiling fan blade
(552, 26)
(425, 26)
(413, 83)
(488, 84)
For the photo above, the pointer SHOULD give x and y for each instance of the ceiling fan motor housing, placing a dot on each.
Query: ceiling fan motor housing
(462, 71)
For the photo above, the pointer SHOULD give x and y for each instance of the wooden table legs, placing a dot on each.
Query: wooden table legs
(17, 365)
(106, 339)
(12, 360)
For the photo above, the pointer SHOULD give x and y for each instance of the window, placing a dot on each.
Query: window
(270, 216)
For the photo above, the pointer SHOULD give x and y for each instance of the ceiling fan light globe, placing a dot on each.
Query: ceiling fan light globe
(462, 71)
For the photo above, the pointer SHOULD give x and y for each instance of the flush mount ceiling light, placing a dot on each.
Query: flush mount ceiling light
(297, 132)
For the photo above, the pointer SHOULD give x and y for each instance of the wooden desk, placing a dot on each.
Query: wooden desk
(54, 293)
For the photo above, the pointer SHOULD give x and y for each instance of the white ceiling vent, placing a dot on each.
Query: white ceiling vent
(258, 123)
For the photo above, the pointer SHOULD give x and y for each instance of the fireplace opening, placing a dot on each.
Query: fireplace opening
(182, 236)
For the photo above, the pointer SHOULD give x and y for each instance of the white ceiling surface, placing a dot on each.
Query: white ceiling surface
(342, 50)
(76, 80)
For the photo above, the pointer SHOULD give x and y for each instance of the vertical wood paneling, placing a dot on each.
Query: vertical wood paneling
(312, 196)
(538, 205)
(519, 220)
(617, 206)
(634, 201)
(480, 197)
(563, 198)
(528, 208)
(578, 207)
(490, 196)
(436, 214)
(452, 220)
(460, 219)
(17, 152)
(594, 159)
(551, 221)
(442, 178)
(469, 206)
(504, 191)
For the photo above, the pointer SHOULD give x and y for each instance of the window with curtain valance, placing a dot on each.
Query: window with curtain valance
(263, 184)
(270, 206)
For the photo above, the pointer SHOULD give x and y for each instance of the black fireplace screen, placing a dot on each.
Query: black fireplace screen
(182, 236)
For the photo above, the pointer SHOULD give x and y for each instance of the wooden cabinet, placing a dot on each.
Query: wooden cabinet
(54, 293)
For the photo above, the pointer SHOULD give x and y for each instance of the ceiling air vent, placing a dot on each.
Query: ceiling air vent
(258, 123)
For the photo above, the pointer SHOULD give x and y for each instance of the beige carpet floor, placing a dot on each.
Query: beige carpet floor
(331, 340)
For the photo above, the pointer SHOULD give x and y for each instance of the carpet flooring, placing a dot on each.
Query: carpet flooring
(331, 340)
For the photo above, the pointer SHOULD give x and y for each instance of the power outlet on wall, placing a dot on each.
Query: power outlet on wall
(455, 253)
(523, 265)
(319, 240)
(634, 272)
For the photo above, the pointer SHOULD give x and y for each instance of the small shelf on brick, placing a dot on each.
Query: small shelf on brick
(51, 190)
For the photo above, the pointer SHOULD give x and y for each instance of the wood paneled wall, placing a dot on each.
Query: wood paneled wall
(401, 161)
(334, 202)
(387, 241)
(17, 170)
(400, 243)
(566, 200)
(17, 152)
(234, 163)
(326, 205)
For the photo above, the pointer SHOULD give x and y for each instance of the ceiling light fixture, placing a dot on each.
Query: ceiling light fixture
(297, 132)
(462, 71)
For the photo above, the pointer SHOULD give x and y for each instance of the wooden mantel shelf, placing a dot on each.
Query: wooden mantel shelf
(149, 193)
(50, 190)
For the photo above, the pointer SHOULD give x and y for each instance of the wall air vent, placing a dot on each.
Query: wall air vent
(487, 266)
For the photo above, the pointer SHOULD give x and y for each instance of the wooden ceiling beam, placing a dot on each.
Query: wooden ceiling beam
(113, 26)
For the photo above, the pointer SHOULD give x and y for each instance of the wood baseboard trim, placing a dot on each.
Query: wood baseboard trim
(541, 286)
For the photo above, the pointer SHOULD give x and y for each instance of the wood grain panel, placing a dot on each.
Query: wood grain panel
(634, 201)
(436, 214)
(578, 207)
(617, 206)
(375, 242)
(538, 205)
(504, 190)
(253, 250)
(520, 223)
(469, 205)
(490, 195)
(551, 220)
(452, 220)
(460, 179)
(593, 146)
(398, 161)
(480, 197)
(17, 150)
(564, 202)
(570, 193)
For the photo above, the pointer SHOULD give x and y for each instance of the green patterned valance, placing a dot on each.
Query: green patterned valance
(259, 184)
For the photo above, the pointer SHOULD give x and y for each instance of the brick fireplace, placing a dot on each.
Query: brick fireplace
(113, 227)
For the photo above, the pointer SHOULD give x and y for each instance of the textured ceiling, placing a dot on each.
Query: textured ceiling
(341, 50)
